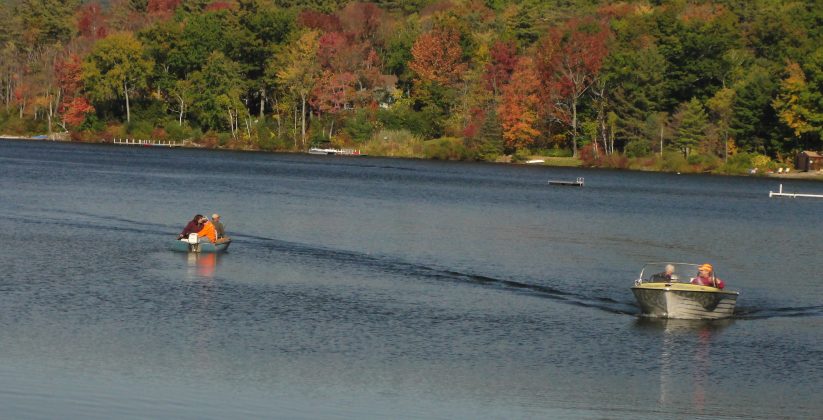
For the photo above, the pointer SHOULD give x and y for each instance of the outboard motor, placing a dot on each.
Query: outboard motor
(194, 243)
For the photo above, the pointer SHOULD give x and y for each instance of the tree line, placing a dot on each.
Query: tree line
(608, 81)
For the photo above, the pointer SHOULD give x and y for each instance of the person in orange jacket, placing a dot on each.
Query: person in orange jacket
(207, 231)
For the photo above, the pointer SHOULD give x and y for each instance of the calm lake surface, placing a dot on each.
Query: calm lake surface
(379, 288)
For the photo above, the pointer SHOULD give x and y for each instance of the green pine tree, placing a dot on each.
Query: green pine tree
(690, 123)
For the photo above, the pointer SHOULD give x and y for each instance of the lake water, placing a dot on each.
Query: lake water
(379, 288)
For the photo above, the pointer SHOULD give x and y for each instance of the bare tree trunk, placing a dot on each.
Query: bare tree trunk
(725, 145)
(277, 112)
(128, 109)
(231, 123)
(574, 127)
(262, 102)
(611, 139)
(50, 114)
(661, 140)
(294, 131)
(303, 126)
(601, 117)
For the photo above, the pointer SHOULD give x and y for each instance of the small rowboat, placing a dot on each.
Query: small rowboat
(183, 245)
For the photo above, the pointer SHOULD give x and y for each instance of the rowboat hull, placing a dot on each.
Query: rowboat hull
(684, 301)
(202, 247)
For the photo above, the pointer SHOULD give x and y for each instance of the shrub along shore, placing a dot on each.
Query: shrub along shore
(401, 144)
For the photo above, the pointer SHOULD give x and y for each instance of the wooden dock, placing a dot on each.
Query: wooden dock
(334, 152)
(780, 193)
(576, 183)
(147, 142)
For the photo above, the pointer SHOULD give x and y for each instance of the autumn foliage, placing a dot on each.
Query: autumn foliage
(91, 22)
(495, 76)
(75, 111)
(437, 57)
(501, 66)
(73, 106)
(518, 108)
(162, 6)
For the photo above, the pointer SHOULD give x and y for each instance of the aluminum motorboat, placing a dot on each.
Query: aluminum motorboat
(670, 293)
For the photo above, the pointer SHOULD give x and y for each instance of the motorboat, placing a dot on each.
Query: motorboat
(194, 244)
(663, 295)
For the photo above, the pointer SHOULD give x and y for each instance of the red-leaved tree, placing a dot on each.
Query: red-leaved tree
(333, 93)
(91, 22)
(219, 5)
(321, 21)
(73, 107)
(361, 20)
(569, 61)
(501, 66)
(75, 111)
(162, 6)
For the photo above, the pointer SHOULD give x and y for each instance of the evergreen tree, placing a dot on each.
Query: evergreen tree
(691, 123)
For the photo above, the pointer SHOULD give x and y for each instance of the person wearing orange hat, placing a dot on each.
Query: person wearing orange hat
(705, 277)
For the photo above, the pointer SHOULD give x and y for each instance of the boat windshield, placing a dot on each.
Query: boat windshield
(668, 272)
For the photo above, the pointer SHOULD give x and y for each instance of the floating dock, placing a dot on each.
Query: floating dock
(576, 183)
(780, 193)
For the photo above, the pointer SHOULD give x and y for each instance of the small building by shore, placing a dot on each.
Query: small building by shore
(808, 160)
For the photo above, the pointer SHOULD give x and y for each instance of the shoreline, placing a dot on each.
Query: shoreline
(546, 160)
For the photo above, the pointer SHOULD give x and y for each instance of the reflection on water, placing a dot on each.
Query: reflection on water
(686, 345)
(201, 264)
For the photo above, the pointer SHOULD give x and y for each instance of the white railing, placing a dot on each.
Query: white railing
(148, 142)
(780, 193)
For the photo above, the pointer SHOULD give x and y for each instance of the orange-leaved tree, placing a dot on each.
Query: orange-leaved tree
(437, 57)
(518, 107)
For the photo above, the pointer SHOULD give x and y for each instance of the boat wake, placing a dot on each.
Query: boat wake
(787, 312)
(392, 264)
(396, 266)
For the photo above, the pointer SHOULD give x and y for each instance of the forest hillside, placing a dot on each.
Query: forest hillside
(724, 85)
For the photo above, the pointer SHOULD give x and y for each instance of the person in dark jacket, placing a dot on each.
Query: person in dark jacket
(666, 275)
(193, 226)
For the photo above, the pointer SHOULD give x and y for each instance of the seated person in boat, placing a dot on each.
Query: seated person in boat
(666, 275)
(192, 227)
(219, 228)
(705, 277)
(207, 231)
